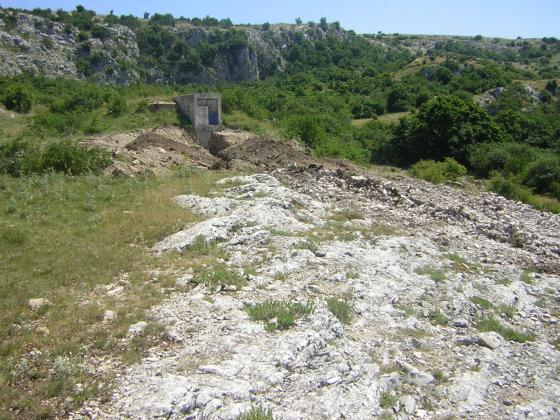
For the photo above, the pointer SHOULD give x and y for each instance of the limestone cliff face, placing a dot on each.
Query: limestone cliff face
(33, 44)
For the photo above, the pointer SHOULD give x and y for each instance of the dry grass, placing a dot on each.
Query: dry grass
(64, 239)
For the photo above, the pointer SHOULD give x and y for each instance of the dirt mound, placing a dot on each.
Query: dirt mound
(266, 152)
(152, 151)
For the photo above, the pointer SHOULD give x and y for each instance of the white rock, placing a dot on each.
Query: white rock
(138, 327)
(37, 303)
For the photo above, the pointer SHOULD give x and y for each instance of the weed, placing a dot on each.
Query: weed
(309, 244)
(438, 375)
(492, 324)
(506, 309)
(346, 215)
(480, 301)
(257, 413)
(278, 315)
(202, 247)
(408, 310)
(460, 264)
(437, 317)
(218, 277)
(340, 309)
(527, 277)
(352, 275)
(435, 275)
(387, 400)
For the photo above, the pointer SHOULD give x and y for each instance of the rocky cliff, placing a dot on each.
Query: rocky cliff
(120, 54)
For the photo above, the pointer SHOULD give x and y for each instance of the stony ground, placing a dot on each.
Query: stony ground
(427, 271)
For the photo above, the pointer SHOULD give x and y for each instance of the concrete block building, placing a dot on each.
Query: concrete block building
(204, 110)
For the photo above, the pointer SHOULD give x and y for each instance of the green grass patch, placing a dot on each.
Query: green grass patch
(218, 277)
(278, 315)
(492, 324)
(527, 277)
(483, 303)
(438, 318)
(66, 238)
(435, 274)
(257, 413)
(387, 400)
(308, 244)
(341, 309)
(506, 309)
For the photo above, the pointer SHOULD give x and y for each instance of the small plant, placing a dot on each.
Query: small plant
(387, 400)
(408, 310)
(278, 315)
(492, 324)
(506, 309)
(480, 301)
(438, 375)
(257, 413)
(340, 309)
(202, 247)
(437, 317)
(347, 214)
(460, 264)
(308, 244)
(526, 277)
(435, 274)
(218, 277)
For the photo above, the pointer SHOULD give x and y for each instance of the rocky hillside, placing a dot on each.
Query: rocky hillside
(147, 51)
(81, 44)
(352, 295)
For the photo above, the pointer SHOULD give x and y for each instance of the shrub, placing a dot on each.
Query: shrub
(116, 106)
(18, 97)
(437, 172)
(69, 158)
(543, 173)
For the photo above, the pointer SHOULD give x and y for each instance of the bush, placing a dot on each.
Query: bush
(116, 106)
(18, 97)
(20, 157)
(543, 174)
(67, 157)
(437, 172)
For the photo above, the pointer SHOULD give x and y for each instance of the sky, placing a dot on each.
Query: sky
(496, 18)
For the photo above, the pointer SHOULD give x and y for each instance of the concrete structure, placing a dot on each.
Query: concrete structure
(204, 110)
(160, 106)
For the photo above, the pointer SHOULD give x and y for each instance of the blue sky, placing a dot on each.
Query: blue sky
(505, 18)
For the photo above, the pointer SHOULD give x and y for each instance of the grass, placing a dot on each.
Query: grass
(309, 244)
(387, 400)
(277, 314)
(438, 318)
(460, 264)
(492, 324)
(483, 303)
(340, 309)
(64, 238)
(346, 215)
(527, 277)
(435, 274)
(506, 309)
(218, 277)
(203, 248)
(257, 413)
